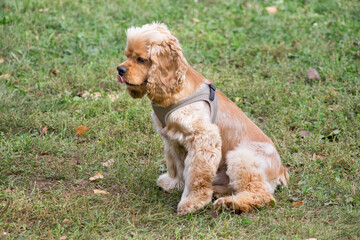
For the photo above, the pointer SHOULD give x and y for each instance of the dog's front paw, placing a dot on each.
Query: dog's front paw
(187, 208)
(168, 183)
(191, 205)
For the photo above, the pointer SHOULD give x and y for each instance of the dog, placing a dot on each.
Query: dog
(229, 158)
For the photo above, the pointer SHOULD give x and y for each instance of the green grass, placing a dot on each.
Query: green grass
(257, 59)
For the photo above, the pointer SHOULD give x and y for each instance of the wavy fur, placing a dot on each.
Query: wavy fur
(232, 160)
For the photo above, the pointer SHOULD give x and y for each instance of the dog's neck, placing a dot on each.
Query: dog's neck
(191, 84)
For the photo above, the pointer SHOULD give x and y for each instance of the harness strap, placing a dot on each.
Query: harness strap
(206, 94)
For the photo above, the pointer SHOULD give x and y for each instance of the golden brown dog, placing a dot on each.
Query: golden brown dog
(232, 159)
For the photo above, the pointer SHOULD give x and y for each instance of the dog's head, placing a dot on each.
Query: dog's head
(155, 64)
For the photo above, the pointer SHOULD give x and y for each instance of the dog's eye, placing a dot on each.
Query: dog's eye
(140, 60)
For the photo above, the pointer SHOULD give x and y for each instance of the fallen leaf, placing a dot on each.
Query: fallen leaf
(65, 220)
(195, 20)
(53, 71)
(44, 130)
(121, 108)
(312, 74)
(96, 94)
(334, 92)
(334, 107)
(80, 131)
(2, 60)
(108, 163)
(247, 4)
(37, 38)
(96, 177)
(298, 204)
(113, 97)
(332, 135)
(83, 94)
(271, 10)
(318, 156)
(6, 75)
(44, 10)
(98, 191)
(336, 131)
(304, 134)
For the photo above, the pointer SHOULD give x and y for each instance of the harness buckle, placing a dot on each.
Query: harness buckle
(212, 92)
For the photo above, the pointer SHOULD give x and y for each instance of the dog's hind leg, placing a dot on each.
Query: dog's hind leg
(246, 168)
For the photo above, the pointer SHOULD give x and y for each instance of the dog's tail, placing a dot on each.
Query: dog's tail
(284, 176)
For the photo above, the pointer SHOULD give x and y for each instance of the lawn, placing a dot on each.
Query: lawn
(58, 63)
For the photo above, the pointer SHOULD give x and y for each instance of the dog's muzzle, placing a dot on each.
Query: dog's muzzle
(121, 72)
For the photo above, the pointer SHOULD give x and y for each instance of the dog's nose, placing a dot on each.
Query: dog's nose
(122, 70)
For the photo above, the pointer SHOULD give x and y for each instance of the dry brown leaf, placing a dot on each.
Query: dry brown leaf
(304, 134)
(83, 94)
(93, 95)
(195, 20)
(113, 97)
(44, 130)
(80, 131)
(334, 107)
(298, 204)
(271, 10)
(312, 74)
(44, 10)
(96, 177)
(2, 60)
(98, 191)
(6, 75)
(108, 163)
(96, 94)
(53, 71)
(318, 156)
(65, 220)
(121, 108)
(247, 4)
(37, 38)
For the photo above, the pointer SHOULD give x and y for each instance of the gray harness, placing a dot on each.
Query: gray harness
(206, 94)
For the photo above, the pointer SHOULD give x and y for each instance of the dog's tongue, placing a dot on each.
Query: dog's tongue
(120, 78)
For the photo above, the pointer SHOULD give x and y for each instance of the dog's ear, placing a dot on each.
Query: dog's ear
(167, 72)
